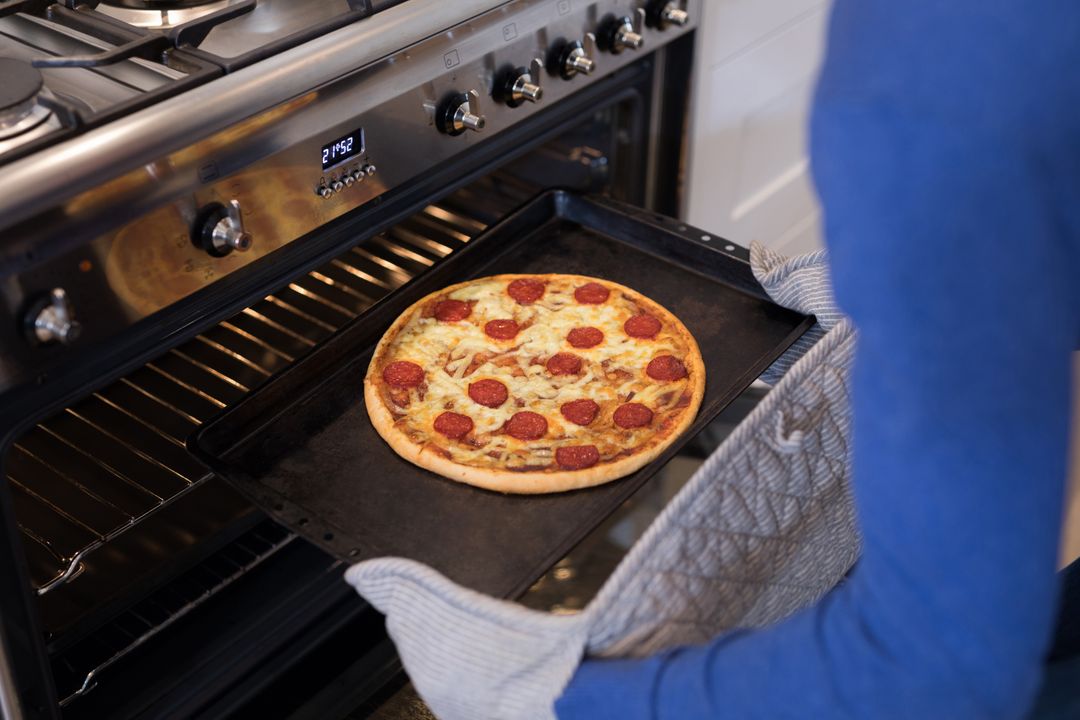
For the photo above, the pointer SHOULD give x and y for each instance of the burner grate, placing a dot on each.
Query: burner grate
(95, 68)
(104, 61)
(132, 42)
(162, 15)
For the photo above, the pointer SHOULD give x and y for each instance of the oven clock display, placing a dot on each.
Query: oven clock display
(342, 149)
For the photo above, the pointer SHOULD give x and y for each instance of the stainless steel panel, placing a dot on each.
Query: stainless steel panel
(271, 164)
(33, 184)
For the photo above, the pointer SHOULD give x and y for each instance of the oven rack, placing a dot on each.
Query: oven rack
(311, 308)
(100, 467)
(163, 608)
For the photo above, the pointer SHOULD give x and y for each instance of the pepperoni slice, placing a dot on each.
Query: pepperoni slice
(403, 374)
(580, 412)
(591, 294)
(526, 426)
(489, 393)
(526, 291)
(642, 326)
(585, 337)
(564, 364)
(632, 415)
(577, 457)
(453, 425)
(666, 367)
(502, 329)
(452, 310)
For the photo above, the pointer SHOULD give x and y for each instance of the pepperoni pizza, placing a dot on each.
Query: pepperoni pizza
(534, 383)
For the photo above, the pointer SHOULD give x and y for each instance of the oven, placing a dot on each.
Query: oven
(194, 196)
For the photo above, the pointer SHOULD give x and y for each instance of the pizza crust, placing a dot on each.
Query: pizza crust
(532, 482)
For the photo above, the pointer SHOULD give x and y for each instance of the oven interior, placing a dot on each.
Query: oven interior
(132, 545)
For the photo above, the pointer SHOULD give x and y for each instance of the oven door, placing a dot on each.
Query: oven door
(303, 448)
(147, 585)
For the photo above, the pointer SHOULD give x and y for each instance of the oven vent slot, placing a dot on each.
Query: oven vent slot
(77, 669)
(98, 468)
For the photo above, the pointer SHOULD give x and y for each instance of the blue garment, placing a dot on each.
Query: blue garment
(946, 150)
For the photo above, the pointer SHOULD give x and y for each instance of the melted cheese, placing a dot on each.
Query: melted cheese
(455, 354)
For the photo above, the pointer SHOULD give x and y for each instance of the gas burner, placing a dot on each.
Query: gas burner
(20, 110)
(161, 13)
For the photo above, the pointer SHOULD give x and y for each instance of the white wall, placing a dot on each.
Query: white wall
(755, 71)
(1070, 541)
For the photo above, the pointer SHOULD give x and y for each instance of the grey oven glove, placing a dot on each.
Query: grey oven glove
(766, 526)
(801, 283)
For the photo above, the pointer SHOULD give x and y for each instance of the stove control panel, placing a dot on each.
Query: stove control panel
(476, 80)
(175, 226)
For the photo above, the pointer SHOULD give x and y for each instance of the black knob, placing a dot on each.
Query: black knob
(518, 85)
(661, 14)
(460, 112)
(619, 33)
(570, 59)
(219, 229)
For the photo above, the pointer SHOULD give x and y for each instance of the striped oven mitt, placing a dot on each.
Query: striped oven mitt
(766, 526)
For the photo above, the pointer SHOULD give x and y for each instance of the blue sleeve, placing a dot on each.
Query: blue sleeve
(945, 148)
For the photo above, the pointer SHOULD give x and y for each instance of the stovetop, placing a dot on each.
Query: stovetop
(104, 59)
(269, 22)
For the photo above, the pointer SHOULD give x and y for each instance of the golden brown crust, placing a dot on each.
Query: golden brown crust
(532, 482)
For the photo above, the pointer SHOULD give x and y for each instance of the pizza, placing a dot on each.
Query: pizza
(534, 383)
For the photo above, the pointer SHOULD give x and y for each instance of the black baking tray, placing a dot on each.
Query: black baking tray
(301, 446)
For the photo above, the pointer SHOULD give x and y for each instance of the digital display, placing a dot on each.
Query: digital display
(342, 149)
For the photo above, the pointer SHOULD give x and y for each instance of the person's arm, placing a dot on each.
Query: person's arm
(941, 148)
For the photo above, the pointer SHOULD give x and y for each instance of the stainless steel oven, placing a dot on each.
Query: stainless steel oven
(194, 195)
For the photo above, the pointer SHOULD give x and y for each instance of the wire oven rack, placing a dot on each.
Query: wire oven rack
(163, 608)
(98, 468)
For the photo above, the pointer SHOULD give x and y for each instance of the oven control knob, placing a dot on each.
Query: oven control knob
(459, 113)
(51, 319)
(324, 192)
(371, 169)
(220, 229)
(621, 33)
(569, 59)
(521, 85)
(348, 180)
(662, 14)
